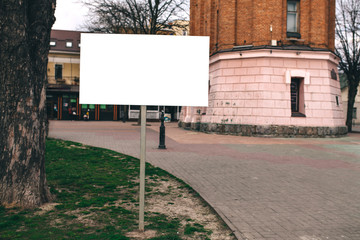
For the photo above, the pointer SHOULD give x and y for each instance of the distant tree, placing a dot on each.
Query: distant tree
(24, 45)
(348, 49)
(134, 16)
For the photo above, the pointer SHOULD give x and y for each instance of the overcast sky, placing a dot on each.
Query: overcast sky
(70, 15)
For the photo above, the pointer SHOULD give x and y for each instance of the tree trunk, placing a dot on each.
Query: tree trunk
(25, 27)
(352, 91)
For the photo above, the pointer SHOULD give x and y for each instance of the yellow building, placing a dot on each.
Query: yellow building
(177, 27)
(63, 75)
(64, 79)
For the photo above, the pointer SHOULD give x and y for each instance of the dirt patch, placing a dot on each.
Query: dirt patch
(46, 208)
(142, 235)
(172, 199)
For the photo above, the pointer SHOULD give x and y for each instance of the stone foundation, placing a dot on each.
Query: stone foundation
(266, 131)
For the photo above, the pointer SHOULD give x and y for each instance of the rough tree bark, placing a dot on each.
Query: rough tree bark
(25, 27)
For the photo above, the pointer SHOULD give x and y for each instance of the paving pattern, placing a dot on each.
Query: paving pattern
(264, 188)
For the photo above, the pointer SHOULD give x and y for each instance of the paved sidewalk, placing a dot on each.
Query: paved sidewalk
(264, 188)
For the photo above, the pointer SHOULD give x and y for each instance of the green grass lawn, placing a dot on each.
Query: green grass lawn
(96, 197)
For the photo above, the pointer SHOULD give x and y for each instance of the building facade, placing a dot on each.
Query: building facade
(63, 75)
(272, 68)
(64, 79)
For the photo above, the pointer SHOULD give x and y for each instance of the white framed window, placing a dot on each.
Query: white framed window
(69, 44)
(58, 71)
(293, 18)
(52, 43)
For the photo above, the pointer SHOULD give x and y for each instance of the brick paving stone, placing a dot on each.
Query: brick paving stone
(263, 188)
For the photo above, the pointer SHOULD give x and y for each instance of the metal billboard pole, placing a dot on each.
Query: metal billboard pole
(142, 167)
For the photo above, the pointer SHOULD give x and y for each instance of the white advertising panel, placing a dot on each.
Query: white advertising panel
(128, 69)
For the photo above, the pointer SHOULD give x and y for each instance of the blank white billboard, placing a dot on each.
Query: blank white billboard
(128, 69)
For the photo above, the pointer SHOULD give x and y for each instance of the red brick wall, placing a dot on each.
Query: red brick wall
(247, 22)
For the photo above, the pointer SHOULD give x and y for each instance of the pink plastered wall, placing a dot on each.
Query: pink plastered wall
(253, 87)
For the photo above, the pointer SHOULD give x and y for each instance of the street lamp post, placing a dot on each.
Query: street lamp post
(162, 132)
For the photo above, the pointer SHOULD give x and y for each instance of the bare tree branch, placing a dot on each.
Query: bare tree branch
(135, 16)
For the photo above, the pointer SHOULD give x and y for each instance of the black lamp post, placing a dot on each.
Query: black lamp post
(162, 132)
(124, 115)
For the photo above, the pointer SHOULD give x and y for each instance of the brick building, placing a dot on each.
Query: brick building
(272, 68)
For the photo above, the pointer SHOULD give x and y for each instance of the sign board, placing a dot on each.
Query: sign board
(123, 69)
(128, 69)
